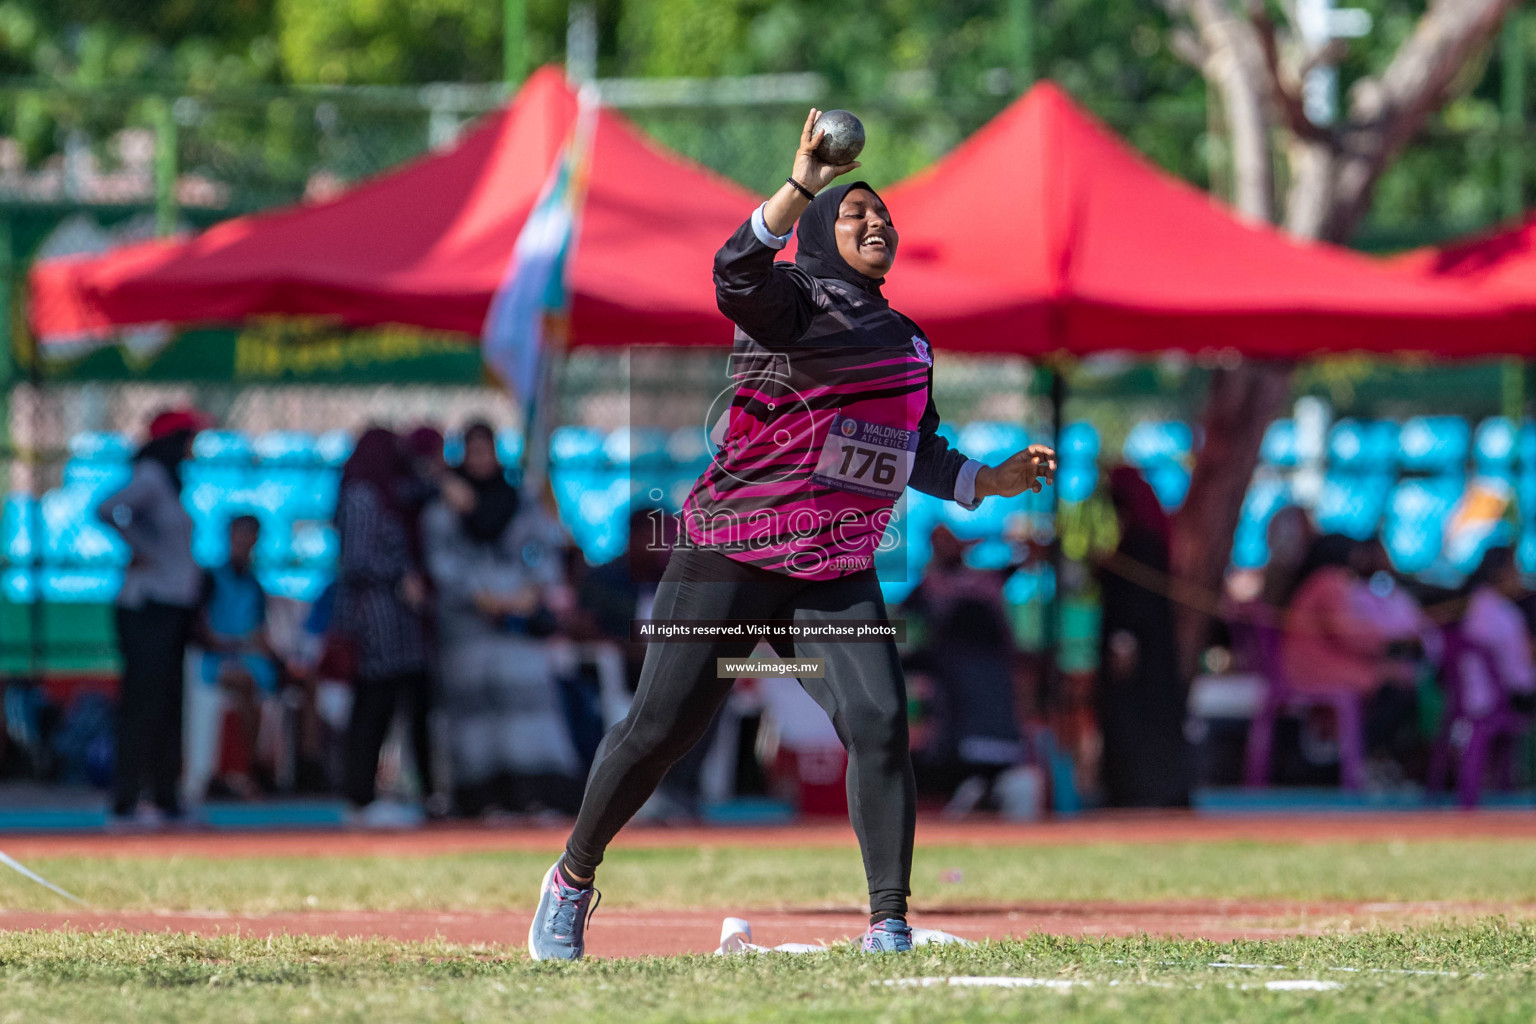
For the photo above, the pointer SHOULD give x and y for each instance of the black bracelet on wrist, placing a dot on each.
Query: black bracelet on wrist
(809, 195)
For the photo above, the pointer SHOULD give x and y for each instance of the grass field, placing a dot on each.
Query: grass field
(1482, 972)
(726, 877)
(1434, 969)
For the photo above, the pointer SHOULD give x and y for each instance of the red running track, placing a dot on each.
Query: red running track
(618, 932)
(1102, 827)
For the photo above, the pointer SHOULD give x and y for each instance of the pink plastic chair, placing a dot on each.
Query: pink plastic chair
(1492, 734)
(1262, 644)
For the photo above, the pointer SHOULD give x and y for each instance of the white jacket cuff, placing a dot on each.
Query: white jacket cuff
(768, 238)
(965, 485)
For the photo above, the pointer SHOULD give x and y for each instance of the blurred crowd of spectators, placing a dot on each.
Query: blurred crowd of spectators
(465, 622)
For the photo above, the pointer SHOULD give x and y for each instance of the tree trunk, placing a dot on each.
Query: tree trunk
(1242, 400)
(1310, 200)
(1239, 406)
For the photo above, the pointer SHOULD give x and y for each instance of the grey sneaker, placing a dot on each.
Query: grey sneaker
(893, 935)
(560, 923)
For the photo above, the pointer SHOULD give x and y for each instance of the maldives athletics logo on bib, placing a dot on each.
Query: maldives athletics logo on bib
(923, 351)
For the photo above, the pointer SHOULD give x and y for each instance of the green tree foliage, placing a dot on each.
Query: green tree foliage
(923, 74)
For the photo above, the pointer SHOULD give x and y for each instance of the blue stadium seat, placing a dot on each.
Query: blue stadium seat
(1076, 481)
(210, 535)
(1156, 441)
(1266, 495)
(1525, 443)
(314, 545)
(1352, 503)
(287, 448)
(1415, 521)
(992, 553)
(985, 521)
(276, 544)
(1171, 482)
(1279, 447)
(1525, 551)
(101, 478)
(1496, 442)
(1362, 445)
(71, 534)
(594, 505)
(992, 441)
(16, 585)
(222, 446)
(1434, 444)
(509, 448)
(689, 446)
(97, 446)
(1029, 585)
(16, 527)
(576, 446)
(334, 446)
(302, 492)
(636, 446)
(209, 484)
(82, 586)
(1080, 443)
(296, 584)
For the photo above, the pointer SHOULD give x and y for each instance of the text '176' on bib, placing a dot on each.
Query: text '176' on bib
(866, 458)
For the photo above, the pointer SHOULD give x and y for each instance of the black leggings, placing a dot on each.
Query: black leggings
(863, 692)
(153, 643)
(374, 702)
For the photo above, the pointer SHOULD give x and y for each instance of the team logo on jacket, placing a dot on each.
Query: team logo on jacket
(923, 351)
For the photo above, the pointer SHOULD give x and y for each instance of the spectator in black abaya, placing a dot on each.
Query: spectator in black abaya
(155, 610)
(1140, 696)
(499, 582)
(380, 607)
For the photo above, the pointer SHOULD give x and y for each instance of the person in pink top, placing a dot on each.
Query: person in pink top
(1330, 640)
(1495, 623)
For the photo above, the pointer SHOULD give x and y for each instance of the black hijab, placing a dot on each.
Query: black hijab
(816, 252)
(170, 451)
(1330, 551)
(496, 501)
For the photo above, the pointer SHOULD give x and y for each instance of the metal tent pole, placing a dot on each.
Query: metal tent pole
(514, 43)
(1051, 631)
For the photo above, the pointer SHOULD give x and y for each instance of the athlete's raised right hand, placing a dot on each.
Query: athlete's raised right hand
(809, 170)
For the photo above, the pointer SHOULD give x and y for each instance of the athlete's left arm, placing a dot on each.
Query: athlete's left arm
(938, 469)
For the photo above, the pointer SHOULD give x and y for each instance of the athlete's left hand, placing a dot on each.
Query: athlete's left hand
(1028, 470)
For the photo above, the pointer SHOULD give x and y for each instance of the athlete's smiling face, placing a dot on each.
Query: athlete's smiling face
(866, 238)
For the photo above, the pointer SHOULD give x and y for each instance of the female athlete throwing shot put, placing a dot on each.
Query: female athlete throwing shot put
(831, 419)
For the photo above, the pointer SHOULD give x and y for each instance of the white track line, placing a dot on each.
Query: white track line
(1063, 984)
(28, 873)
(1292, 967)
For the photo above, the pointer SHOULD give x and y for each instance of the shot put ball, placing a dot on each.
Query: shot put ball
(844, 138)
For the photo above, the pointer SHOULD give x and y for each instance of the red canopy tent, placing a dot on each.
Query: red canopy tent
(1042, 232)
(1499, 264)
(1068, 239)
(428, 243)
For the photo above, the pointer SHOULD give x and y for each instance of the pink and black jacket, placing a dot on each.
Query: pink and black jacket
(832, 415)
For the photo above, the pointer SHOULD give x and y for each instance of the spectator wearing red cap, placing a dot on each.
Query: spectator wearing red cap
(154, 615)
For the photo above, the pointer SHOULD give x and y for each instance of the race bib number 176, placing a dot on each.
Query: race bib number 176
(866, 458)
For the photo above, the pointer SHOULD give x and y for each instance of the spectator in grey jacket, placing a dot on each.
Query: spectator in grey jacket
(500, 587)
(154, 614)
